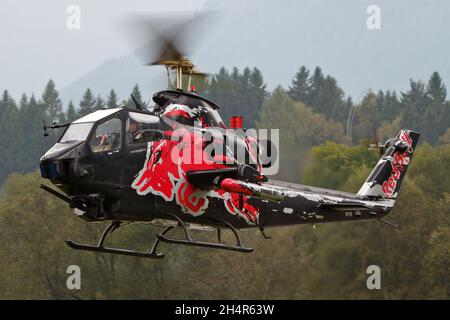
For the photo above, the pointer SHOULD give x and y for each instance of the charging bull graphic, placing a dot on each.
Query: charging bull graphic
(164, 174)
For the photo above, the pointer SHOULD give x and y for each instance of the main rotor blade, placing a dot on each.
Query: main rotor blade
(164, 36)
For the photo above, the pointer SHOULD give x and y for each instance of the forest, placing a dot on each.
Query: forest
(318, 147)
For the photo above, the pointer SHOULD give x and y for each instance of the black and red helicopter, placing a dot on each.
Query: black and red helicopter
(135, 165)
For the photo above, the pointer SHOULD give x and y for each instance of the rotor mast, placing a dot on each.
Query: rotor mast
(181, 66)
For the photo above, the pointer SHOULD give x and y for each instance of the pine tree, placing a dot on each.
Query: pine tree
(86, 104)
(23, 104)
(315, 84)
(388, 106)
(435, 120)
(299, 89)
(436, 90)
(245, 78)
(239, 93)
(414, 105)
(11, 132)
(71, 113)
(112, 101)
(6, 103)
(51, 101)
(235, 73)
(137, 95)
(99, 103)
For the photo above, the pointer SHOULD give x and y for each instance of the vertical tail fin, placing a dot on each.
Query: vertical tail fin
(387, 176)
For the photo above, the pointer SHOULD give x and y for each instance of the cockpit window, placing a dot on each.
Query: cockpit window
(143, 128)
(76, 132)
(213, 118)
(107, 136)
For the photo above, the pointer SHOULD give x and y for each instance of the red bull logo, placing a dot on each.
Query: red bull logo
(398, 166)
(164, 174)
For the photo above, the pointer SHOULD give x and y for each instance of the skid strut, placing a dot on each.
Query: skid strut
(153, 254)
(188, 241)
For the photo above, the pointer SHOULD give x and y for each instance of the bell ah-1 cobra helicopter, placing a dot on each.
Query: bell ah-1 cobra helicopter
(134, 165)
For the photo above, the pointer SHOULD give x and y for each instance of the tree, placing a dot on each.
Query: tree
(388, 106)
(413, 259)
(437, 92)
(425, 108)
(315, 84)
(112, 100)
(238, 93)
(71, 113)
(320, 93)
(435, 117)
(99, 103)
(87, 103)
(437, 262)
(331, 164)
(299, 89)
(137, 95)
(414, 103)
(51, 101)
(7, 104)
(365, 125)
(11, 132)
(300, 129)
(330, 100)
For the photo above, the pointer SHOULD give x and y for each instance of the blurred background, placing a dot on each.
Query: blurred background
(313, 69)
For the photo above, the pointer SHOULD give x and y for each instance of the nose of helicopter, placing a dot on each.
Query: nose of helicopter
(55, 163)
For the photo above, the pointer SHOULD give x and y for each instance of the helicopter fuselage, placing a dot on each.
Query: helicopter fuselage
(109, 175)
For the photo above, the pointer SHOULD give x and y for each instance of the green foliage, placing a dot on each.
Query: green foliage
(71, 113)
(21, 131)
(332, 164)
(298, 91)
(300, 125)
(414, 259)
(299, 128)
(320, 93)
(137, 95)
(112, 100)
(237, 93)
(99, 103)
(422, 108)
(51, 101)
(431, 168)
(87, 104)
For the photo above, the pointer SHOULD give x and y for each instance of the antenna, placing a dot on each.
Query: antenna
(54, 125)
(138, 105)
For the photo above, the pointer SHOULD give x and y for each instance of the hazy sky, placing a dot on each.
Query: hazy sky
(277, 36)
(36, 43)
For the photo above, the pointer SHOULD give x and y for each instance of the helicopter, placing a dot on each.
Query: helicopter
(134, 164)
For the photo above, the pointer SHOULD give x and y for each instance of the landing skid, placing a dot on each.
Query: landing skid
(101, 248)
(152, 253)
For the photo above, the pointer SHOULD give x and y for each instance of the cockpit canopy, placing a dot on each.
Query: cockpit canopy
(107, 130)
(199, 116)
(80, 129)
(188, 109)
